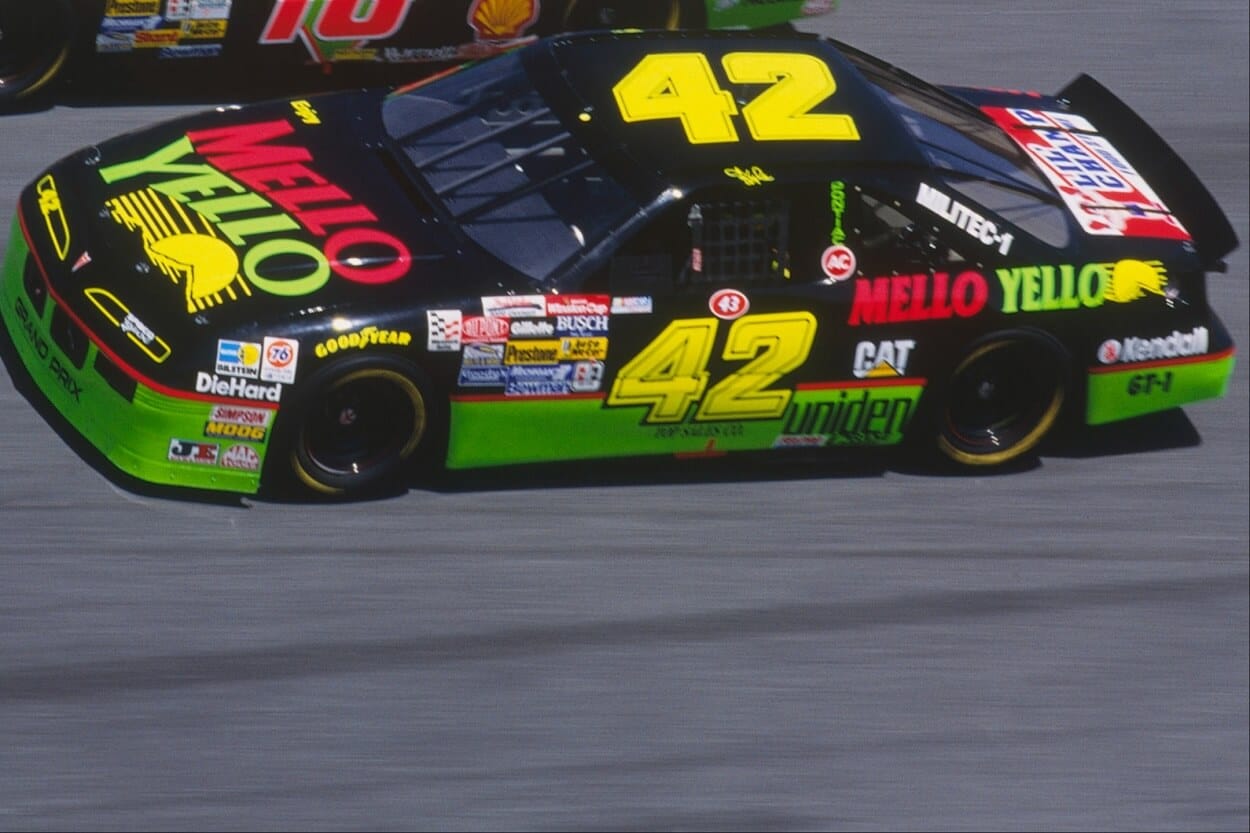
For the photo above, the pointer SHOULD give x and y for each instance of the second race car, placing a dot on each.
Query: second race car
(609, 245)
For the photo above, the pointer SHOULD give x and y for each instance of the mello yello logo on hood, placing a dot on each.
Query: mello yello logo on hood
(266, 201)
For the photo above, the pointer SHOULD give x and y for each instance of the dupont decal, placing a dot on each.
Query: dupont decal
(1068, 287)
(209, 216)
(921, 297)
(515, 306)
(882, 359)
(53, 215)
(361, 340)
(484, 329)
(965, 219)
(1101, 189)
(728, 304)
(838, 263)
(152, 345)
(445, 329)
(1177, 345)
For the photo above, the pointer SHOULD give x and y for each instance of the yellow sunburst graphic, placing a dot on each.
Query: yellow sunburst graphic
(1133, 279)
(502, 19)
(184, 246)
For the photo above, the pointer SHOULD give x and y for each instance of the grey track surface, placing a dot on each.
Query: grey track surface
(1061, 648)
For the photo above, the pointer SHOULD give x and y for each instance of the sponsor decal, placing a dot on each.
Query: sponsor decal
(238, 358)
(579, 305)
(532, 352)
(838, 263)
(444, 328)
(234, 431)
(863, 416)
(204, 29)
(837, 208)
(236, 388)
(581, 325)
(53, 215)
(964, 218)
(362, 339)
(749, 177)
(189, 451)
(471, 377)
(632, 305)
(482, 355)
(305, 112)
(279, 360)
(532, 328)
(583, 348)
(515, 306)
(197, 9)
(1101, 189)
(477, 329)
(540, 373)
(587, 377)
(155, 347)
(502, 20)
(156, 38)
(239, 415)
(1067, 287)
(728, 304)
(205, 50)
(249, 202)
(42, 349)
(801, 441)
(132, 8)
(1177, 345)
(921, 297)
(882, 359)
(128, 25)
(241, 457)
(114, 42)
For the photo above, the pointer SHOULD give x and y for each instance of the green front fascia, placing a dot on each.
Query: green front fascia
(1137, 390)
(135, 436)
(492, 431)
(745, 15)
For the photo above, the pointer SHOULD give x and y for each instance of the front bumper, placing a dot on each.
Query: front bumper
(154, 435)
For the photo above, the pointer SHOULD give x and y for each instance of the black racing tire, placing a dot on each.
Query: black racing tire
(1002, 400)
(359, 425)
(633, 14)
(35, 39)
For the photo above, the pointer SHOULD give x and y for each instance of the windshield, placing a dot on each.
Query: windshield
(500, 163)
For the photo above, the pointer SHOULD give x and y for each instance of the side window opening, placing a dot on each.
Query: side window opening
(891, 240)
(739, 241)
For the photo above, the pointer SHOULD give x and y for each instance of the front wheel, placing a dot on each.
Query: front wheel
(358, 425)
(34, 43)
(1003, 399)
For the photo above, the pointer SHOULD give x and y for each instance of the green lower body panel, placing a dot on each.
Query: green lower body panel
(147, 434)
(490, 431)
(1150, 387)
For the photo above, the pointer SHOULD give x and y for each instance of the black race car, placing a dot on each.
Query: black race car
(104, 51)
(609, 245)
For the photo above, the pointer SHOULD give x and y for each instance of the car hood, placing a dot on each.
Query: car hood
(239, 215)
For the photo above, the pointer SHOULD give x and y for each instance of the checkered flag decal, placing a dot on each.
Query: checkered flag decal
(444, 329)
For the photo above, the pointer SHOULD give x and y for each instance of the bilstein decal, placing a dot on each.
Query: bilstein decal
(1067, 287)
(265, 201)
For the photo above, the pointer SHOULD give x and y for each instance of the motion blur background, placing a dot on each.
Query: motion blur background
(1062, 648)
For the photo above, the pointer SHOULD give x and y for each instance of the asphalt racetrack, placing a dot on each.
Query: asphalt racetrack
(667, 647)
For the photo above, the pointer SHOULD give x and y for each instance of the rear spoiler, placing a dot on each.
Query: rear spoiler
(1175, 183)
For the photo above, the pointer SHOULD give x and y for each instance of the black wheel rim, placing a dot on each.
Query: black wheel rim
(1002, 400)
(363, 426)
(33, 34)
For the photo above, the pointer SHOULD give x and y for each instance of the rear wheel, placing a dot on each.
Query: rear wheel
(34, 42)
(358, 425)
(1003, 399)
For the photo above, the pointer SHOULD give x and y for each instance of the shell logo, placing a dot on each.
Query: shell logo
(502, 19)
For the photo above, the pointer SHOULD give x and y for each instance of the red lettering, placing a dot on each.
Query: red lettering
(871, 300)
(970, 294)
(278, 176)
(284, 21)
(376, 270)
(343, 20)
(941, 296)
(900, 298)
(242, 146)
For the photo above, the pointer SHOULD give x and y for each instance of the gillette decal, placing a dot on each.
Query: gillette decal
(218, 208)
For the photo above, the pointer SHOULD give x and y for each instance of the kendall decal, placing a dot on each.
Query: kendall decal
(1178, 345)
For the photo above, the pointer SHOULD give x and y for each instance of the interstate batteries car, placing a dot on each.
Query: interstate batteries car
(609, 245)
(101, 51)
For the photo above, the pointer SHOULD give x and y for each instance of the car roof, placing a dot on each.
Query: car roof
(598, 82)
